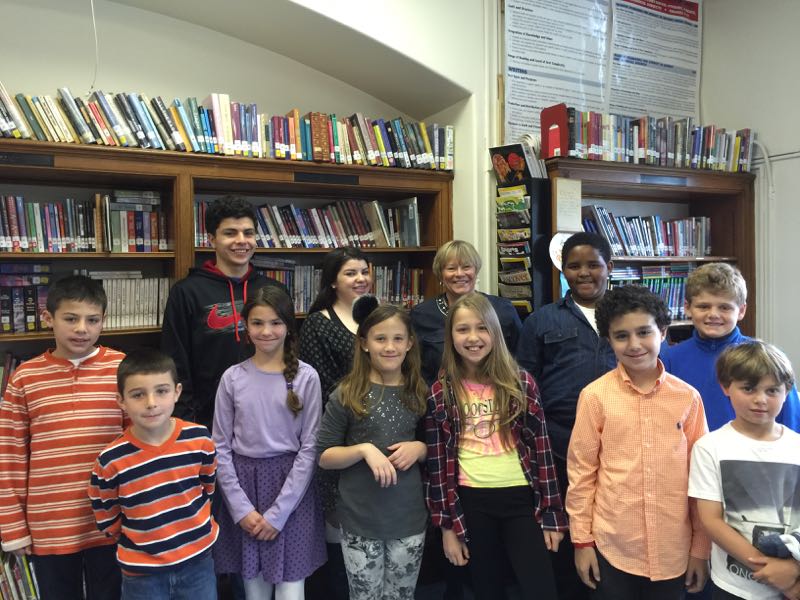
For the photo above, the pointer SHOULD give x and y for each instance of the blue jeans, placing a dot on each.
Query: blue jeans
(193, 580)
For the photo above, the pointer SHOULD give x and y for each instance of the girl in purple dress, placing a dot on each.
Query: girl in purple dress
(265, 428)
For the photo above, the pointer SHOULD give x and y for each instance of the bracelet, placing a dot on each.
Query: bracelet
(583, 544)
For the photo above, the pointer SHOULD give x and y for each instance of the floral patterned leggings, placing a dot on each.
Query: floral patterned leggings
(382, 569)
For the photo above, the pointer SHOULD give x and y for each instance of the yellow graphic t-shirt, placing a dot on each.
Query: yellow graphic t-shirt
(482, 459)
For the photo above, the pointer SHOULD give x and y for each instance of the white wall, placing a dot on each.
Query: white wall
(749, 79)
(457, 39)
(51, 45)
(159, 55)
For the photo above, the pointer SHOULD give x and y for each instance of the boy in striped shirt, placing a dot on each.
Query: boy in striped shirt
(58, 413)
(151, 488)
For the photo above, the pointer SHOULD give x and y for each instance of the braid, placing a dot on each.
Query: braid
(289, 373)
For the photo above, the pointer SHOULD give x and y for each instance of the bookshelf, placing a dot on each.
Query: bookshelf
(726, 198)
(536, 290)
(36, 169)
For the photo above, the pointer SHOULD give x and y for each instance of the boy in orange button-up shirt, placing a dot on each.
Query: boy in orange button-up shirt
(635, 531)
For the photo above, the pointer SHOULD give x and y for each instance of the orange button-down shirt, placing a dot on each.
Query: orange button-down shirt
(628, 466)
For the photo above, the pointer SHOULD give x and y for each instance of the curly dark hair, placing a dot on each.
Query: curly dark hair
(626, 299)
(586, 238)
(228, 207)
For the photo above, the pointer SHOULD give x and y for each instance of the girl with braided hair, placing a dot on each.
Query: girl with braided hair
(265, 427)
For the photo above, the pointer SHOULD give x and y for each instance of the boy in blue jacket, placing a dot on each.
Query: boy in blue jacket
(716, 300)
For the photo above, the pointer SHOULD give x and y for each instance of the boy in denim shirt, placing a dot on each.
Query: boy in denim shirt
(560, 347)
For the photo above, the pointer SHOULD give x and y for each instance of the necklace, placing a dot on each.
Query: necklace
(441, 304)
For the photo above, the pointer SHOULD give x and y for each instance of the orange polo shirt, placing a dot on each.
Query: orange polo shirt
(628, 466)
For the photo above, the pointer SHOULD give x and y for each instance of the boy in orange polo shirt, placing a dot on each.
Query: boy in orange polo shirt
(636, 533)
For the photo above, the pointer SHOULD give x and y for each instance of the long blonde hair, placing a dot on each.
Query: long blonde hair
(498, 368)
(355, 386)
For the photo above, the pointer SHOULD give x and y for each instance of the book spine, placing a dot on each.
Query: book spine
(16, 117)
(11, 211)
(49, 109)
(126, 108)
(144, 124)
(116, 124)
(169, 123)
(23, 226)
(100, 124)
(75, 116)
(27, 111)
(163, 138)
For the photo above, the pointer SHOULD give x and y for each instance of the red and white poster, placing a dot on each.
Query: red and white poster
(655, 58)
(628, 57)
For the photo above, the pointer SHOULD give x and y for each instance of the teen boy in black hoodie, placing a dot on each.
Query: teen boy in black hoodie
(202, 329)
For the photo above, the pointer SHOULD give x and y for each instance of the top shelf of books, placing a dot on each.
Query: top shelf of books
(221, 126)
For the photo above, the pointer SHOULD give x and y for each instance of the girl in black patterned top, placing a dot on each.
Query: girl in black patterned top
(328, 334)
(327, 341)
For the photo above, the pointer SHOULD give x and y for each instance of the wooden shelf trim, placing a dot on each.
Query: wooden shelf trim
(420, 249)
(674, 259)
(79, 255)
(46, 335)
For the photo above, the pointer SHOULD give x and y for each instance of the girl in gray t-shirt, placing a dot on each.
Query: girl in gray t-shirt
(369, 433)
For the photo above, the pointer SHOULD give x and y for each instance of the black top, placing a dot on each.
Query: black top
(564, 354)
(203, 332)
(327, 345)
(428, 321)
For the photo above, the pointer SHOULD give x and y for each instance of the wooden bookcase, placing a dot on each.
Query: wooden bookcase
(39, 169)
(727, 198)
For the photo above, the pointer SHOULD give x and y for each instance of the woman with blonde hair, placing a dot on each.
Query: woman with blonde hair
(456, 264)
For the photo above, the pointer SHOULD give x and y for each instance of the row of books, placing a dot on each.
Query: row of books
(302, 281)
(649, 235)
(218, 125)
(23, 299)
(646, 140)
(66, 225)
(133, 299)
(128, 221)
(342, 223)
(397, 284)
(134, 222)
(668, 281)
(17, 578)
(513, 213)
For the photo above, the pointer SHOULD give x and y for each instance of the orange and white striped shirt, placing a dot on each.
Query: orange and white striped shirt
(55, 419)
(628, 466)
(157, 499)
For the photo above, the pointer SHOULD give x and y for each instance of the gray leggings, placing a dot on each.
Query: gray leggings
(382, 569)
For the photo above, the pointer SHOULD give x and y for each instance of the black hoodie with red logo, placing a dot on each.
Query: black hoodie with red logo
(204, 333)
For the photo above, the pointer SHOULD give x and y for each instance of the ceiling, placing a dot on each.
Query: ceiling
(323, 44)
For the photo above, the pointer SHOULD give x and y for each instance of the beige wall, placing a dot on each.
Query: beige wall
(142, 51)
(457, 39)
(160, 55)
(750, 79)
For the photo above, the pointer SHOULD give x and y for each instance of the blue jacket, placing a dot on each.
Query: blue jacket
(428, 320)
(564, 354)
(694, 361)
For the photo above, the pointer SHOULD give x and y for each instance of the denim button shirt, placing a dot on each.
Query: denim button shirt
(564, 354)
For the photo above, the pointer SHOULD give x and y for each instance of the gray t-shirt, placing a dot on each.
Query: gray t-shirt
(365, 508)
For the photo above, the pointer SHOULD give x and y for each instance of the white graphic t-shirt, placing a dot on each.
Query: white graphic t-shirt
(758, 484)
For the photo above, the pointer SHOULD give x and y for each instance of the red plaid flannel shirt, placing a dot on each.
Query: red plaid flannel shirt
(442, 427)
